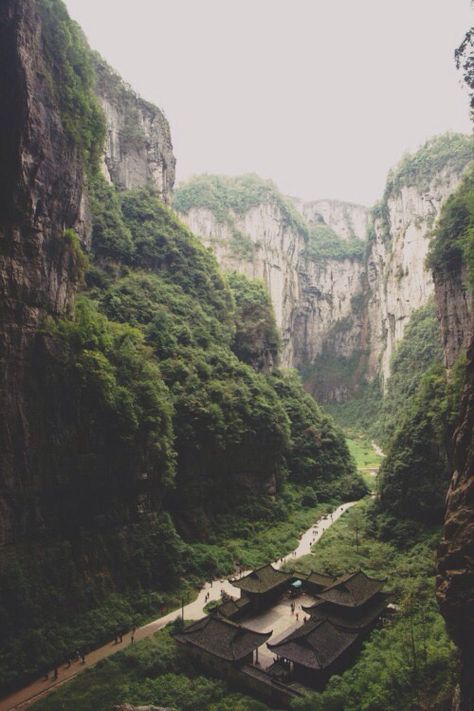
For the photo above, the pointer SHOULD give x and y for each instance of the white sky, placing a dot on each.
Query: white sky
(322, 96)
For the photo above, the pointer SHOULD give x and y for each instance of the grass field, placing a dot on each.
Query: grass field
(366, 458)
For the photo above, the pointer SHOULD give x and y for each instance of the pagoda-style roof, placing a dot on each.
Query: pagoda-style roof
(324, 581)
(222, 638)
(327, 611)
(352, 590)
(314, 645)
(262, 580)
(232, 607)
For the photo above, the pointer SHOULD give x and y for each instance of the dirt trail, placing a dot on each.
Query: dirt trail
(26, 697)
(377, 449)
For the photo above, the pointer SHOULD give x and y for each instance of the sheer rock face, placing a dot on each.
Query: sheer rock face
(455, 585)
(453, 303)
(41, 195)
(345, 308)
(138, 151)
(399, 282)
(307, 296)
(345, 218)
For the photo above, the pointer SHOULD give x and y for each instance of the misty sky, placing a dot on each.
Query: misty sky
(322, 96)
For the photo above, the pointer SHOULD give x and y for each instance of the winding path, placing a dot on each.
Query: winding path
(26, 697)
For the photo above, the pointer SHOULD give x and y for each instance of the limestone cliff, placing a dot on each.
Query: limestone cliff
(399, 282)
(451, 259)
(41, 188)
(308, 296)
(139, 151)
(345, 218)
(456, 554)
(341, 313)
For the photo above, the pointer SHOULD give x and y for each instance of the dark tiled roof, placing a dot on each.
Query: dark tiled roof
(232, 607)
(327, 611)
(262, 580)
(319, 579)
(222, 638)
(352, 590)
(264, 678)
(314, 645)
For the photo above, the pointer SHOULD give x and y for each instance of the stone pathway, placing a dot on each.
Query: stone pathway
(26, 697)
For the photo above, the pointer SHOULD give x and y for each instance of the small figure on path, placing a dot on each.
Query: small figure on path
(297, 616)
(55, 673)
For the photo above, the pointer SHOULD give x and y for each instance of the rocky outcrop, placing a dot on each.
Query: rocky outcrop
(138, 151)
(42, 196)
(345, 218)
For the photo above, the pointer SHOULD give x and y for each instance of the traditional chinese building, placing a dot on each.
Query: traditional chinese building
(230, 651)
(354, 602)
(219, 643)
(315, 651)
(235, 609)
(263, 586)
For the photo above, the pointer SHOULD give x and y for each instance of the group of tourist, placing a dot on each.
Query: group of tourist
(297, 614)
(76, 657)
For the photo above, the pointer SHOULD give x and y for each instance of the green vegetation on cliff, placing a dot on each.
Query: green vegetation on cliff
(415, 474)
(449, 151)
(229, 197)
(256, 340)
(416, 353)
(73, 78)
(324, 243)
(223, 196)
(452, 246)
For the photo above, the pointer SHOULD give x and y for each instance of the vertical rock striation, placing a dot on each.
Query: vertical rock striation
(308, 296)
(399, 281)
(138, 151)
(345, 218)
(455, 588)
(42, 195)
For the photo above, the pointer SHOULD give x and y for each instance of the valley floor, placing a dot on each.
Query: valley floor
(409, 663)
(194, 610)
